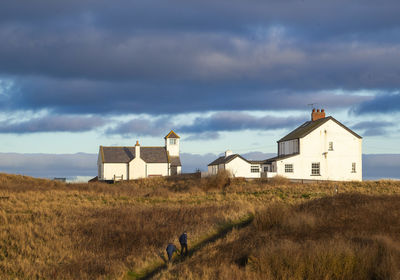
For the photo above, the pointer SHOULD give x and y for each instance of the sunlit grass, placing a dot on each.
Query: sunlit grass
(53, 230)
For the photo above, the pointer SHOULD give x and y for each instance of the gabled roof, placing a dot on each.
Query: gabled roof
(310, 126)
(171, 134)
(223, 159)
(126, 154)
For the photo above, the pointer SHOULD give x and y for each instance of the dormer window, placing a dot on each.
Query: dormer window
(172, 141)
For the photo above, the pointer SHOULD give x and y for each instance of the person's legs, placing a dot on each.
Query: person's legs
(184, 247)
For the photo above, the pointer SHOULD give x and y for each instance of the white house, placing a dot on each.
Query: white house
(236, 165)
(128, 163)
(320, 149)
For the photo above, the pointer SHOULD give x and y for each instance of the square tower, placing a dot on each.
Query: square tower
(172, 144)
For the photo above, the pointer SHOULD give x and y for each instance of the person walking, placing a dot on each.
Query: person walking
(171, 249)
(183, 241)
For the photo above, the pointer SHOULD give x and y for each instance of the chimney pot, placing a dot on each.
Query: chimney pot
(316, 115)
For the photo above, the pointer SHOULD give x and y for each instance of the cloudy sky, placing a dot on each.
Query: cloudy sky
(223, 74)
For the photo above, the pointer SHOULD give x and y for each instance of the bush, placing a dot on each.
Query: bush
(217, 182)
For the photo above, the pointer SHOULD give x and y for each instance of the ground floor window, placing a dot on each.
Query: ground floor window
(315, 170)
(353, 167)
(214, 169)
(255, 169)
(288, 168)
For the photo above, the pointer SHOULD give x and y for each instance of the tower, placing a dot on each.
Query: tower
(172, 144)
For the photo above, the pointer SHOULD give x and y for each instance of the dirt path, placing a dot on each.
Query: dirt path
(150, 272)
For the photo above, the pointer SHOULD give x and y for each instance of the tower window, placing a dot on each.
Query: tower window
(330, 146)
(172, 141)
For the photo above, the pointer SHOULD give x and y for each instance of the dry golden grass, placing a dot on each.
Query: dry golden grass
(349, 236)
(53, 230)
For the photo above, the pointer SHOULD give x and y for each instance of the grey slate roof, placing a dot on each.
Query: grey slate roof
(309, 126)
(126, 154)
(223, 159)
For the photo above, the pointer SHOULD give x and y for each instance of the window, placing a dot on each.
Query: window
(288, 168)
(265, 168)
(172, 141)
(214, 169)
(315, 169)
(330, 146)
(353, 167)
(254, 169)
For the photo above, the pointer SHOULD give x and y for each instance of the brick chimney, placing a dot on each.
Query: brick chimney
(316, 114)
(137, 150)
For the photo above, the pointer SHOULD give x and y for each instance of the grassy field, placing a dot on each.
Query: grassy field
(53, 230)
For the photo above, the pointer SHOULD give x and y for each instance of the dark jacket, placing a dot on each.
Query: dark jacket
(183, 238)
(171, 249)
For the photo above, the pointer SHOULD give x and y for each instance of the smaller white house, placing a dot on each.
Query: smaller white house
(128, 163)
(236, 165)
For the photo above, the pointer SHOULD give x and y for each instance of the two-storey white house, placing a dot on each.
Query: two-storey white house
(319, 149)
(128, 163)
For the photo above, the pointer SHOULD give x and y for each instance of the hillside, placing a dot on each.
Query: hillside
(96, 231)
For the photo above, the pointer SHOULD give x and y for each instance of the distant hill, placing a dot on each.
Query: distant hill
(375, 166)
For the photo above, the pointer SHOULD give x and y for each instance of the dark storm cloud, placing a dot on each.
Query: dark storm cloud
(374, 128)
(51, 124)
(160, 57)
(332, 16)
(209, 136)
(99, 97)
(141, 127)
(234, 121)
(204, 127)
(382, 103)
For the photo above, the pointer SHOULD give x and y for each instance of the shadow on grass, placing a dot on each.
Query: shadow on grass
(150, 272)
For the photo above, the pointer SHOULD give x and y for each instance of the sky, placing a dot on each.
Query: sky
(231, 74)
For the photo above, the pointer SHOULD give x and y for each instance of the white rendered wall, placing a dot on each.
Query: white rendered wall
(160, 169)
(241, 168)
(137, 169)
(117, 169)
(335, 165)
(173, 149)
